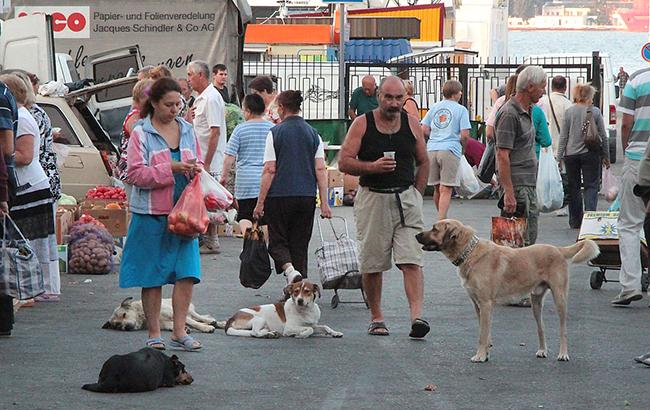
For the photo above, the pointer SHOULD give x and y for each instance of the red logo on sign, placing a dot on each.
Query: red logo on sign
(75, 21)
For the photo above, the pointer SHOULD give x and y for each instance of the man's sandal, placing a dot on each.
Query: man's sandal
(378, 329)
(156, 343)
(187, 343)
(419, 328)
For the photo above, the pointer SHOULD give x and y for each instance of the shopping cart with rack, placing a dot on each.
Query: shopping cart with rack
(601, 227)
(337, 262)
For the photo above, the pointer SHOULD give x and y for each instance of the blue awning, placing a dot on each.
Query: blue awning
(376, 51)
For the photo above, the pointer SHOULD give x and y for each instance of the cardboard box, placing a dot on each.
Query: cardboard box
(116, 221)
(350, 182)
(63, 258)
(64, 219)
(335, 196)
(335, 178)
(227, 230)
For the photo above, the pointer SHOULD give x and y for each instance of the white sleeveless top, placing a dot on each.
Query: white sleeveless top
(30, 176)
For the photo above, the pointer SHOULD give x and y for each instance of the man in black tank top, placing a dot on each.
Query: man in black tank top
(386, 148)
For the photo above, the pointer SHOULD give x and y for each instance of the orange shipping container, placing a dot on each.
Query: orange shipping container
(431, 18)
(288, 34)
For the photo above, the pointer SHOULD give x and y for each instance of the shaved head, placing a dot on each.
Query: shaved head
(391, 81)
(369, 85)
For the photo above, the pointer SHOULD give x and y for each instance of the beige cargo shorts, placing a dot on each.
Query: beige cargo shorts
(380, 232)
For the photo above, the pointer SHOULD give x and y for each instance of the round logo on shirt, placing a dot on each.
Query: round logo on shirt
(442, 118)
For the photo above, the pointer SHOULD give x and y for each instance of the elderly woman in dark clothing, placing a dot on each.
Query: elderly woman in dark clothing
(6, 305)
(294, 164)
(8, 119)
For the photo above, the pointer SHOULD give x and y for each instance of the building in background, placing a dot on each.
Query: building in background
(482, 25)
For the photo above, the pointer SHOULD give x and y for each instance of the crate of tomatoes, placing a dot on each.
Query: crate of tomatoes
(108, 205)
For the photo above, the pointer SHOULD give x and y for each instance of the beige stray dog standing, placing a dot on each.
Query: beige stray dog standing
(489, 271)
(298, 316)
(130, 316)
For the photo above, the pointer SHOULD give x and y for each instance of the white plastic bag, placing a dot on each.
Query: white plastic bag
(610, 184)
(53, 88)
(220, 197)
(469, 184)
(62, 151)
(550, 193)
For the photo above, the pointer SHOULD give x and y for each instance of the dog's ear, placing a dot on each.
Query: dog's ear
(126, 302)
(288, 290)
(107, 325)
(317, 289)
(451, 233)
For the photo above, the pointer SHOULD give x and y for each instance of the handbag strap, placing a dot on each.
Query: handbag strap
(337, 236)
(557, 124)
(4, 228)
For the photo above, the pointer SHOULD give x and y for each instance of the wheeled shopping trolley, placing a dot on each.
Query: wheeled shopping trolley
(337, 262)
(601, 227)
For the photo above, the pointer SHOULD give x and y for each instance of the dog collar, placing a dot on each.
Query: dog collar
(466, 252)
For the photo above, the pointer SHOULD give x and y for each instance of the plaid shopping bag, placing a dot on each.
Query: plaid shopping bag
(21, 276)
(337, 261)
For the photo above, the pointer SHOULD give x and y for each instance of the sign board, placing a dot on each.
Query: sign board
(341, 1)
(645, 52)
(170, 33)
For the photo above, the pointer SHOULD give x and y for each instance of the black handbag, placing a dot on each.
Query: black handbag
(487, 166)
(255, 267)
(590, 133)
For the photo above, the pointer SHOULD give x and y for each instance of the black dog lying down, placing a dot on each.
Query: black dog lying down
(144, 370)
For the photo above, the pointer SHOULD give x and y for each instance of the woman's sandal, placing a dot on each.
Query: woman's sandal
(187, 343)
(156, 343)
(378, 329)
(419, 328)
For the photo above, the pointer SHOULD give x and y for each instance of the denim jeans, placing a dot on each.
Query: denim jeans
(586, 168)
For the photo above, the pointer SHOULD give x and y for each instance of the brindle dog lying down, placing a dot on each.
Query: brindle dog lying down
(144, 370)
(489, 272)
(129, 315)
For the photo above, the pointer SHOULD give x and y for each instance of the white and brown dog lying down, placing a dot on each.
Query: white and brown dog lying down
(130, 316)
(489, 272)
(298, 316)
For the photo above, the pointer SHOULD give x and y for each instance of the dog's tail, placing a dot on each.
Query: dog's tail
(581, 252)
(94, 387)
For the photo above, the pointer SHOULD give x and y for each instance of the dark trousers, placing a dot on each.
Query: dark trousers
(290, 221)
(6, 313)
(585, 168)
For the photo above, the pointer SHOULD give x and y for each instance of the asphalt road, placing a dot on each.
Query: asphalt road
(58, 347)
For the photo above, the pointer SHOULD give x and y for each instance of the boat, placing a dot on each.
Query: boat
(636, 18)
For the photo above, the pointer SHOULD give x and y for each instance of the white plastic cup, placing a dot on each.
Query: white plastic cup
(389, 154)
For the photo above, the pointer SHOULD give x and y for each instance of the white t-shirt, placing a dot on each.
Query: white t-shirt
(560, 105)
(210, 112)
(30, 177)
(269, 148)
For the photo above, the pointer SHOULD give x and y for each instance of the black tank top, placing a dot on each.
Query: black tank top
(373, 146)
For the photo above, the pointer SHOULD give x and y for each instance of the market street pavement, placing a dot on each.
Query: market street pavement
(58, 347)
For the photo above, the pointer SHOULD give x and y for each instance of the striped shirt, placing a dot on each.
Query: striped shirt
(247, 144)
(636, 101)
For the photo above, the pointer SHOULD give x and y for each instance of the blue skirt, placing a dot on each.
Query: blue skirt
(154, 257)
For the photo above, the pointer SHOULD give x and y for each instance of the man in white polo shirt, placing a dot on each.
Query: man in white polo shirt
(210, 128)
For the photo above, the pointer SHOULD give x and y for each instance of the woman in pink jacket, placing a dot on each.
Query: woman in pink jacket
(162, 156)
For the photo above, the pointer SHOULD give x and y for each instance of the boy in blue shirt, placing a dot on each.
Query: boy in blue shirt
(447, 126)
